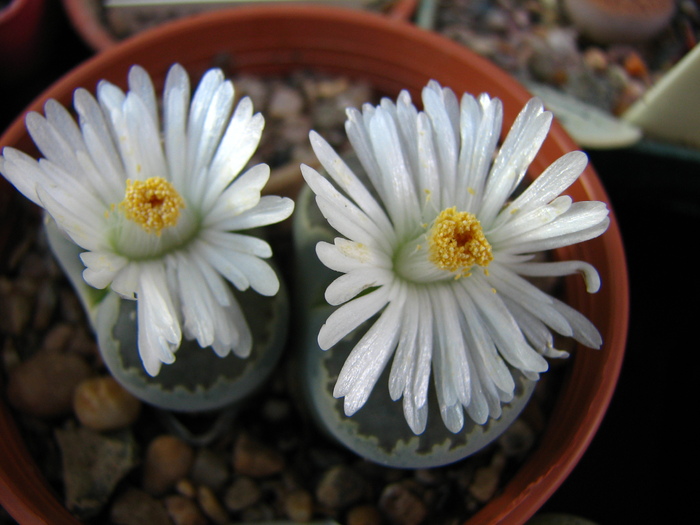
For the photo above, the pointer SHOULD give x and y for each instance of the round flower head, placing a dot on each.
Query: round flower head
(438, 247)
(156, 207)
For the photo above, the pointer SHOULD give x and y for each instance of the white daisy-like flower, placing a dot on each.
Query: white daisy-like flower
(439, 248)
(157, 207)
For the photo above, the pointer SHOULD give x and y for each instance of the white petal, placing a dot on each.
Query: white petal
(350, 316)
(240, 196)
(235, 149)
(517, 152)
(368, 359)
(141, 85)
(176, 100)
(270, 210)
(349, 183)
(561, 174)
(398, 190)
(159, 332)
(345, 256)
(559, 269)
(101, 267)
(351, 284)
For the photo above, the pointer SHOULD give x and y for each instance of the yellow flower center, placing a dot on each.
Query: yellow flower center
(457, 242)
(154, 204)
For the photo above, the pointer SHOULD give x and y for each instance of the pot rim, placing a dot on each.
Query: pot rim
(539, 477)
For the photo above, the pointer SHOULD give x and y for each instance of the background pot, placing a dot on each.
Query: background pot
(21, 36)
(391, 55)
(88, 18)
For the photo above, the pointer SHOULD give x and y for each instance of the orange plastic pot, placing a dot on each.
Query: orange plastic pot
(392, 55)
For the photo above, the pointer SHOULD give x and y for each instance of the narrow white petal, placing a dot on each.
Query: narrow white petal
(345, 256)
(213, 126)
(368, 359)
(398, 190)
(350, 316)
(559, 269)
(101, 267)
(561, 174)
(159, 332)
(503, 328)
(270, 210)
(351, 284)
(237, 146)
(240, 196)
(140, 84)
(585, 332)
(340, 212)
(238, 242)
(176, 100)
(260, 275)
(349, 183)
(482, 344)
(517, 152)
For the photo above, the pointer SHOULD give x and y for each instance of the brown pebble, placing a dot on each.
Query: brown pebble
(43, 385)
(486, 479)
(518, 439)
(183, 510)
(242, 493)
(340, 487)
(364, 515)
(135, 507)
(256, 460)
(15, 307)
(211, 506)
(186, 488)
(299, 505)
(168, 459)
(635, 66)
(402, 505)
(209, 468)
(101, 403)
(58, 337)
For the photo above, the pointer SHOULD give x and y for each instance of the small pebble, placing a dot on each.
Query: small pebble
(15, 306)
(517, 439)
(402, 505)
(340, 487)
(255, 459)
(210, 469)
(211, 506)
(135, 507)
(299, 505)
(285, 102)
(92, 465)
(58, 337)
(635, 66)
(101, 403)
(364, 515)
(43, 385)
(168, 459)
(242, 493)
(183, 511)
(486, 479)
(186, 488)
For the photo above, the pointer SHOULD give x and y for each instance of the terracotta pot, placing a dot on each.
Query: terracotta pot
(392, 55)
(21, 36)
(88, 20)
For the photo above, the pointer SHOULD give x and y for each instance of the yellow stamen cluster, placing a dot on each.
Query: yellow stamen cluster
(154, 204)
(457, 242)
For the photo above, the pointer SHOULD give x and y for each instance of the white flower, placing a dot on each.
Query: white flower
(156, 207)
(434, 246)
